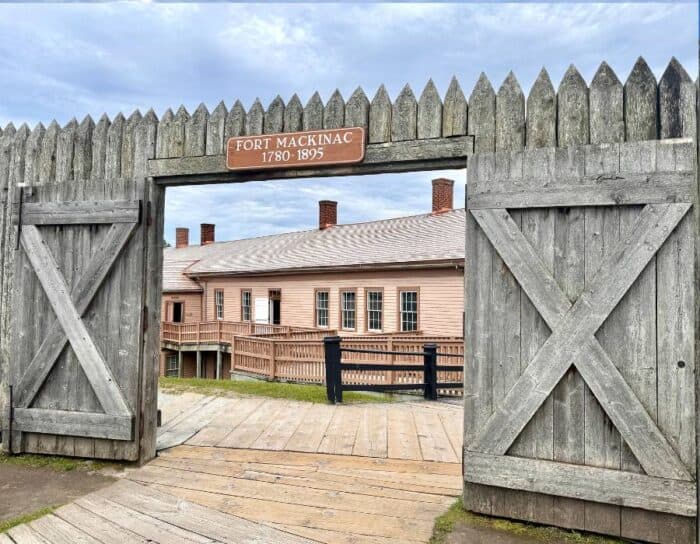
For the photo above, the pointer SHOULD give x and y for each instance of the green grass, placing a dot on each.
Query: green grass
(26, 518)
(446, 523)
(56, 463)
(276, 390)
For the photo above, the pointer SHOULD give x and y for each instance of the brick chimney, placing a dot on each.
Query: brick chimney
(442, 195)
(327, 214)
(207, 233)
(182, 237)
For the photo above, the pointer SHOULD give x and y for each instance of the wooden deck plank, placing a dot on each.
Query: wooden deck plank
(213, 433)
(281, 493)
(434, 444)
(308, 436)
(402, 435)
(192, 422)
(136, 522)
(252, 427)
(343, 462)
(58, 531)
(192, 517)
(281, 429)
(332, 537)
(305, 477)
(292, 514)
(23, 534)
(454, 428)
(371, 439)
(341, 432)
(102, 529)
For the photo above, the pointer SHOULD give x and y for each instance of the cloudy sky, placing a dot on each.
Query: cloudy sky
(60, 61)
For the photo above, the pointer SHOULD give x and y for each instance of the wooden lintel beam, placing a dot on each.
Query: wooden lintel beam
(391, 157)
(86, 424)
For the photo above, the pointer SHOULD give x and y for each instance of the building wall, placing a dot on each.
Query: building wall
(441, 297)
(193, 306)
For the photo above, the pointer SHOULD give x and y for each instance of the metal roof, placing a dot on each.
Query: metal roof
(414, 240)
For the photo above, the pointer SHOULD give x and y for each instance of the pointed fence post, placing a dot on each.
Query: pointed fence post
(430, 371)
(331, 345)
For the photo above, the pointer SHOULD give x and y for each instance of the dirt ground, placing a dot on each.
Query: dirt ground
(24, 490)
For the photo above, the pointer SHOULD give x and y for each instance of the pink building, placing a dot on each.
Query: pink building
(395, 275)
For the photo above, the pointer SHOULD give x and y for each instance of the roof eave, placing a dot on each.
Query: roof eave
(443, 263)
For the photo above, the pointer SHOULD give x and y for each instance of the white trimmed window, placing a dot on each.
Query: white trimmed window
(409, 310)
(219, 303)
(322, 299)
(375, 310)
(245, 305)
(171, 369)
(347, 309)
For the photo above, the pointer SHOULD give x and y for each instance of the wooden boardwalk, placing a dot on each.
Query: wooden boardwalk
(263, 470)
(421, 431)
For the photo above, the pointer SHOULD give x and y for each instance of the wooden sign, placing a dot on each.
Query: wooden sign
(296, 149)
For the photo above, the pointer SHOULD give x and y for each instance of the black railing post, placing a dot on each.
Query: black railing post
(331, 346)
(430, 371)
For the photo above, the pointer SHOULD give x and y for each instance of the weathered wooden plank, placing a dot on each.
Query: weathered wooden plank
(677, 96)
(582, 482)
(621, 189)
(128, 151)
(195, 420)
(413, 154)
(313, 113)
(91, 360)
(602, 232)
(454, 111)
(58, 531)
(482, 115)
(640, 103)
(478, 374)
(380, 117)
(196, 132)
(294, 115)
(235, 121)
(334, 111)
(102, 529)
(216, 130)
(605, 102)
(357, 110)
(254, 119)
(81, 213)
(274, 116)
(572, 110)
(192, 517)
(429, 120)
(63, 422)
(113, 149)
(510, 115)
(26, 535)
(542, 113)
(404, 116)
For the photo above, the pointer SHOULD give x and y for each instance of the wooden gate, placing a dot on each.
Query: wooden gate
(81, 286)
(580, 357)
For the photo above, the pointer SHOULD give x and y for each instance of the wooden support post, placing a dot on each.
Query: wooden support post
(273, 359)
(391, 375)
(331, 345)
(218, 363)
(233, 353)
(199, 360)
(430, 371)
(179, 364)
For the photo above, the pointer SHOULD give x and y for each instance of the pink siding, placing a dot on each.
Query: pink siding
(441, 297)
(193, 306)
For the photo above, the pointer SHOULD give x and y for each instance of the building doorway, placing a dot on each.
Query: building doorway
(275, 313)
(178, 312)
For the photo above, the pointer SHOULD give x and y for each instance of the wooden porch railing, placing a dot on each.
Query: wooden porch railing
(297, 354)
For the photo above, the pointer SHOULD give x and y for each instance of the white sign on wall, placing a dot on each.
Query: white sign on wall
(262, 310)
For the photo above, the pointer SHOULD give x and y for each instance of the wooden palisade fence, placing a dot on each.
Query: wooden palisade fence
(134, 158)
(581, 313)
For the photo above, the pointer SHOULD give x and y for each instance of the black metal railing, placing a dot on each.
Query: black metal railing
(430, 385)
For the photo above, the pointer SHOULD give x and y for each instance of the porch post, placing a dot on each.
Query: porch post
(199, 364)
(179, 363)
(218, 363)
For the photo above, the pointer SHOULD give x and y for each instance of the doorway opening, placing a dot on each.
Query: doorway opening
(178, 313)
(275, 298)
